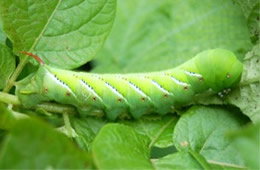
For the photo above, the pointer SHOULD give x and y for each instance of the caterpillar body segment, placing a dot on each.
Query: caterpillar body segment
(136, 94)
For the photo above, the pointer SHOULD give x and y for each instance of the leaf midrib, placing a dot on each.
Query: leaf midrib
(45, 26)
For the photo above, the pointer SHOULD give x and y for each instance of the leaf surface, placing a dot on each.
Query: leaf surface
(2, 34)
(251, 10)
(247, 97)
(158, 129)
(153, 35)
(247, 142)
(34, 145)
(180, 160)
(203, 130)
(7, 64)
(7, 119)
(120, 147)
(63, 33)
(87, 129)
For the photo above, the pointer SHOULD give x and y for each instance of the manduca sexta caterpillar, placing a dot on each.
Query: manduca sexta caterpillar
(137, 93)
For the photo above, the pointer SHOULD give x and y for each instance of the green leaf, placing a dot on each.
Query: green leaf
(7, 64)
(152, 35)
(87, 129)
(63, 33)
(202, 130)
(7, 119)
(32, 144)
(180, 160)
(2, 34)
(251, 10)
(247, 142)
(251, 70)
(184, 160)
(158, 129)
(247, 97)
(120, 147)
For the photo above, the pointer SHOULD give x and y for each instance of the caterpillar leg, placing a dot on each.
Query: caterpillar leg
(89, 111)
(222, 94)
(67, 124)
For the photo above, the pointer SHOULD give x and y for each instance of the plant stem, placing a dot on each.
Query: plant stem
(50, 107)
(9, 99)
(17, 72)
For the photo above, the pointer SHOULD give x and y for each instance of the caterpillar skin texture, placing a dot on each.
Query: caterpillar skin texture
(136, 94)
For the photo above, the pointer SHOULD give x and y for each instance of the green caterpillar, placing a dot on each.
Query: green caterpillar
(135, 94)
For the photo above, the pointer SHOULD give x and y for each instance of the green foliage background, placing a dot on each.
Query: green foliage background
(129, 36)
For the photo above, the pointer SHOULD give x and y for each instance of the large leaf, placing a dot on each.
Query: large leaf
(180, 160)
(251, 10)
(2, 34)
(87, 129)
(247, 97)
(34, 145)
(7, 119)
(7, 64)
(247, 142)
(158, 129)
(152, 35)
(120, 147)
(202, 130)
(63, 33)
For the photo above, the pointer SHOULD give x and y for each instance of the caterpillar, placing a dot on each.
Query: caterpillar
(135, 93)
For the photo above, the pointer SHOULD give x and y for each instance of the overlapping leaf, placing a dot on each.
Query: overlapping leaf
(63, 33)
(120, 147)
(7, 64)
(34, 145)
(203, 131)
(247, 97)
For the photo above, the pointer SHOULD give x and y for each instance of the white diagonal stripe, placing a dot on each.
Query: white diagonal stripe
(91, 90)
(61, 83)
(161, 88)
(192, 74)
(115, 91)
(178, 81)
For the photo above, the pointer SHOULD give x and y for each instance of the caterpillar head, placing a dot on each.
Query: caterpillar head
(220, 68)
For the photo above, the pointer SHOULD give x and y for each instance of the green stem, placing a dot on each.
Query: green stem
(9, 99)
(50, 107)
(17, 72)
